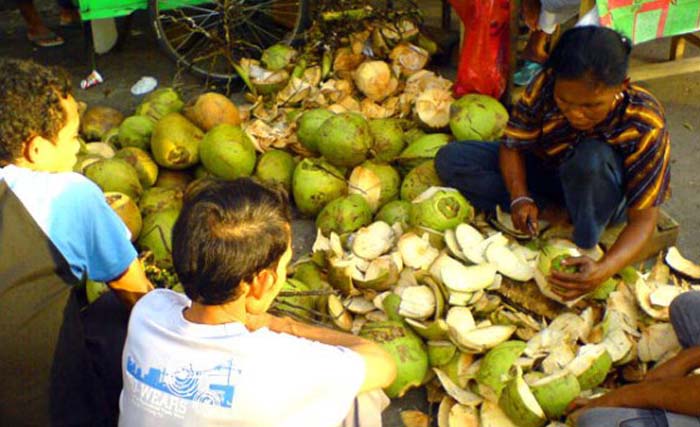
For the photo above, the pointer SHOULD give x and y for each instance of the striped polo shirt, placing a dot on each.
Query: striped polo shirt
(635, 127)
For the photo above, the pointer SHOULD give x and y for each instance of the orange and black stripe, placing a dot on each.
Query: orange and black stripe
(636, 127)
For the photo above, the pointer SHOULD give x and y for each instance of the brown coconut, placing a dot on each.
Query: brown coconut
(98, 120)
(127, 210)
(211, 109)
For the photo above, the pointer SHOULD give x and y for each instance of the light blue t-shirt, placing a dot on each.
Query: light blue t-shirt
(71, 210)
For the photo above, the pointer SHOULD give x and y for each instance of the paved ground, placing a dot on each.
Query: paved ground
(141, 56)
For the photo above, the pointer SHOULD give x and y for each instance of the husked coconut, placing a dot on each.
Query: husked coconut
(375, 80)
(409, 58)
(417, 302)
(417, 252)
(432, 107)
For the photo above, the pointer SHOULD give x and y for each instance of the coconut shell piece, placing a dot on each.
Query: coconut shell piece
(682, 265)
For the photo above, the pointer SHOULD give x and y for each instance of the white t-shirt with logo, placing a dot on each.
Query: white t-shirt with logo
(179, 373)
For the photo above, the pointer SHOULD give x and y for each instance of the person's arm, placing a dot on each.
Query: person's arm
(640, 227)
(132, 284)
(380, 369)
(512, 166)
(679, 395)
(686, 361)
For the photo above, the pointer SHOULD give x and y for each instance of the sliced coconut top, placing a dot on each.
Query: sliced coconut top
(484, 338)
(459, 298)
(508, 264)
(461, 395)
(682, 265)
(657, 340)
(526, 397)
(463, 416)
(359, 305)
(493, 416)
(460, 319)
(664, 294)
(618, 344)
(469, 240)
(374, 240)
(643, 290)
(586, 357)
(417, 252)
(461, 278)
(417, 302)
(452, 245)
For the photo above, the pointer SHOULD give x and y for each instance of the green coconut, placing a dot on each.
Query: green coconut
(227, 152)
(136, 131)
(315, 183)
(591, 365)
(160, 103)
(393, 212)
(276, 167)
(299, 305)
(388, 138)
(115, 175)
(157, 199)
(555, 393)
(412, 134)
(308, 127)
(83, 161)
(98, 120)
(440, 352)
(173, 179)
(558, 264)
(144, 165)
(390, 179)
(406, 348)
(200, 172)
(422, 149)
(603, 291)
(419, 179)
(127, 210)
(156, 236)
(278, 56)
(344, 215)
(440, 208)
(476, 117)
(175, 142)
(520, 405)
(111, 137)
(496, 364)
(345, 139)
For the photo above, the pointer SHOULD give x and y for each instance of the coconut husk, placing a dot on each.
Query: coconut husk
(409, 58)
(432, 107)
(347, 60)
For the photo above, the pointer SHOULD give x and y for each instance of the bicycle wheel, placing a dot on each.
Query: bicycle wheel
(208, 37)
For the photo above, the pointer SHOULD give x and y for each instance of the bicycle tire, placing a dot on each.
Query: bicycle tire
(157, 10)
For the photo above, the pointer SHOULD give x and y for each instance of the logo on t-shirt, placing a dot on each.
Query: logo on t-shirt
(166, 389)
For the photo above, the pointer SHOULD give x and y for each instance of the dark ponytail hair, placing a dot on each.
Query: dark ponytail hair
(599, 53)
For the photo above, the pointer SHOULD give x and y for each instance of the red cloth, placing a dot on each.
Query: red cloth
(484, 60)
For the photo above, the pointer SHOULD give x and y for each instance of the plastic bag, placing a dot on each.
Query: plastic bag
(485, 58)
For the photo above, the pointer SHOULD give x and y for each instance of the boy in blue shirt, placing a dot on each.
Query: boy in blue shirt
(55, 230)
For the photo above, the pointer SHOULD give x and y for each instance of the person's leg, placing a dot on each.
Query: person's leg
(622, 417)
(472, 168)
(69, 14)
(37, 32)
(593, 182)
(685, 318)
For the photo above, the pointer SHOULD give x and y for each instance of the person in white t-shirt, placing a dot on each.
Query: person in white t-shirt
(215, 357)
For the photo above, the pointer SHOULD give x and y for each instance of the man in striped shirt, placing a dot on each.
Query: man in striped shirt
(583, 138)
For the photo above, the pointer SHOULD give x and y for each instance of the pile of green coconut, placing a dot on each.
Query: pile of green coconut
(398, 258)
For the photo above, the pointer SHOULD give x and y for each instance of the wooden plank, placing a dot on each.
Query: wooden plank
(527, 296)
(692, 39)
(664, 69)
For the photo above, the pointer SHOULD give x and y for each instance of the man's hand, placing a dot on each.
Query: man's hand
(524, 215)
(570, 286)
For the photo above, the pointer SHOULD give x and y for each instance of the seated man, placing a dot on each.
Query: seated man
(668, 396)
(214, 357)
(55, 230)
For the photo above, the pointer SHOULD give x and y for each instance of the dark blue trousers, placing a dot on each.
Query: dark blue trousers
(589, 182)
